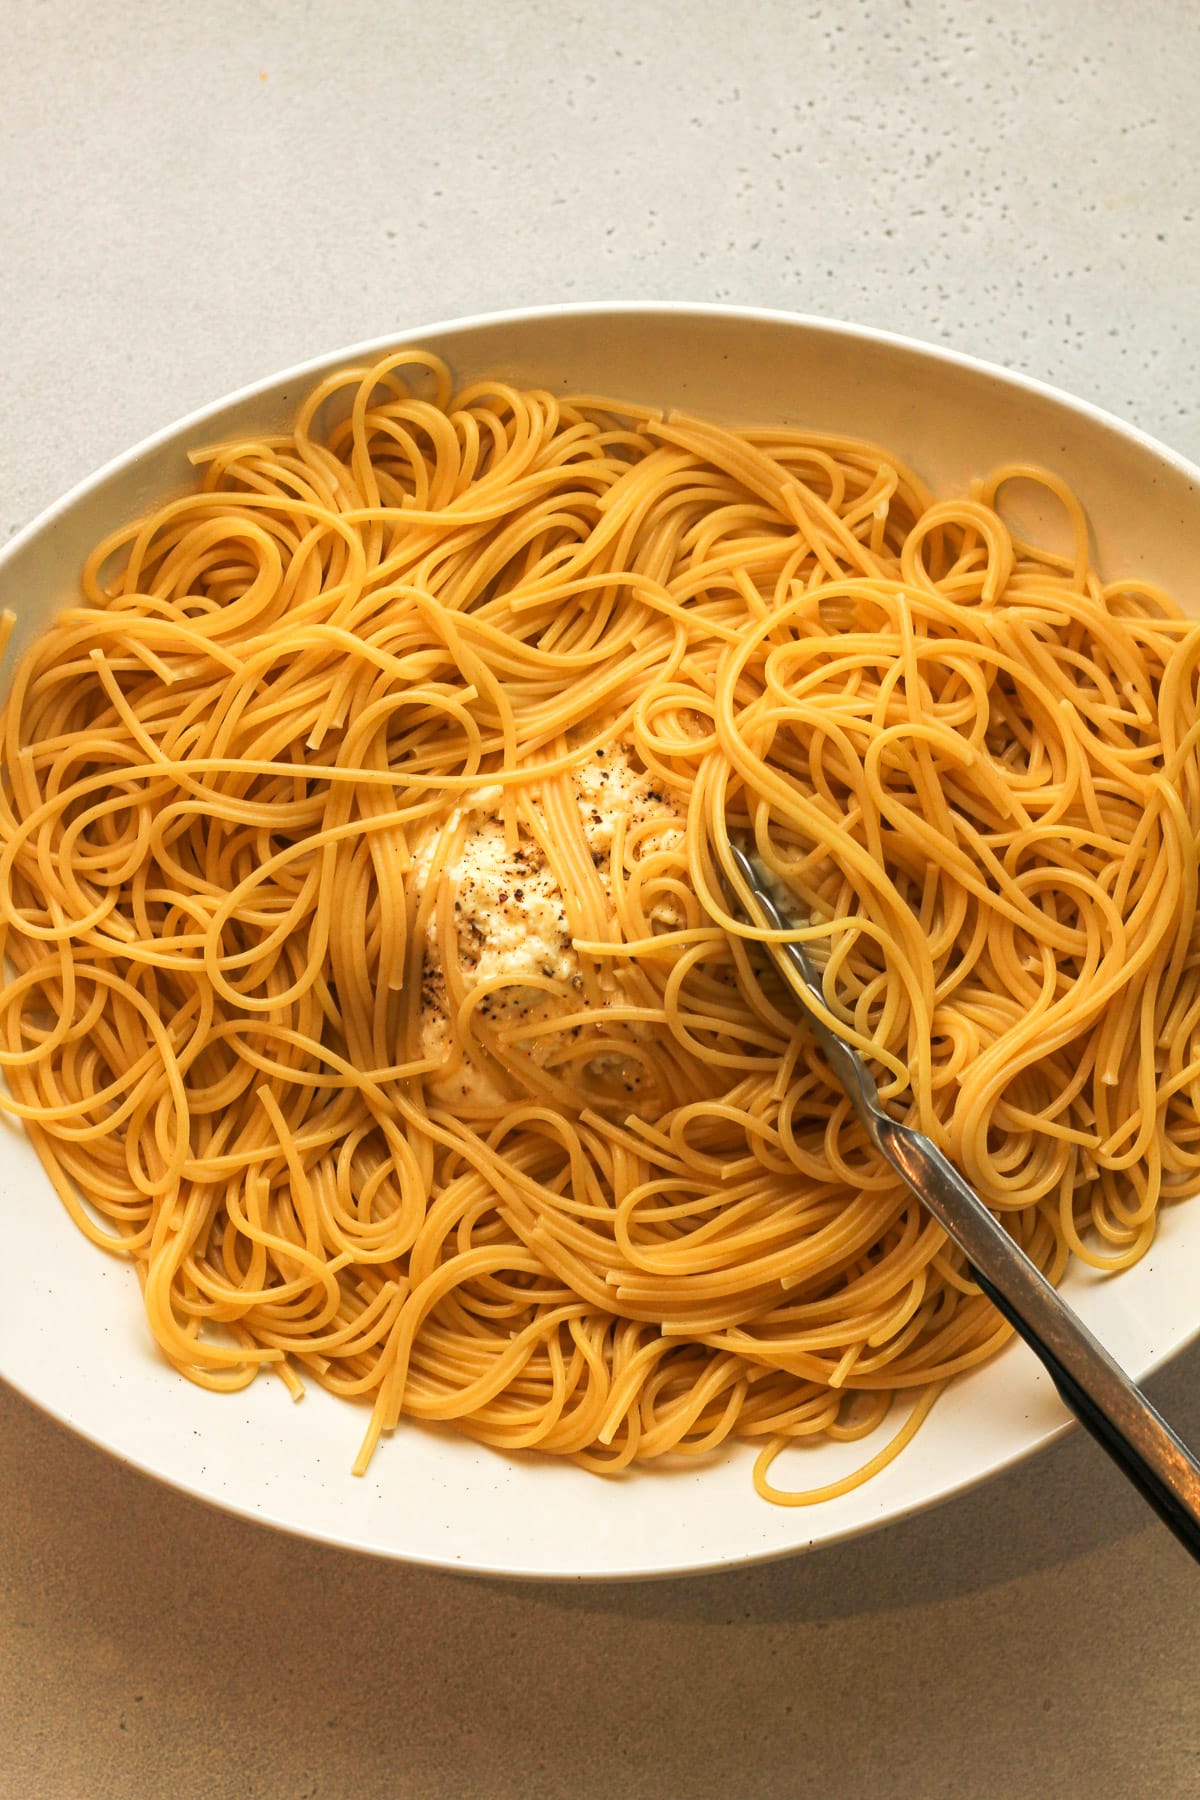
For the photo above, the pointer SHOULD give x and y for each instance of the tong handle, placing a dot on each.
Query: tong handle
(1094, 1387)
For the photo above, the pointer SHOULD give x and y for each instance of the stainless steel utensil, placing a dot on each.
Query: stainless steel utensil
(1091, 1384)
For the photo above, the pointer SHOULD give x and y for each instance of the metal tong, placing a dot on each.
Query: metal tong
(1094, 1387)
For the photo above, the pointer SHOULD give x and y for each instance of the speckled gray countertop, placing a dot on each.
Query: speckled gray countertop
(191, 197)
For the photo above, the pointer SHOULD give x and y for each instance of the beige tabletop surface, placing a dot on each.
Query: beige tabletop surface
(193, 195)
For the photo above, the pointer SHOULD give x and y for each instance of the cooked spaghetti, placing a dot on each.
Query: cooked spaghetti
(377, 984)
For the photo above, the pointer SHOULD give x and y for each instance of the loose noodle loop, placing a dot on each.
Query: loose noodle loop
(975, 767)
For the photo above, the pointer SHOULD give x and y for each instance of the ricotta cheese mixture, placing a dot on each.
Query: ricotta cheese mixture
(511, 920)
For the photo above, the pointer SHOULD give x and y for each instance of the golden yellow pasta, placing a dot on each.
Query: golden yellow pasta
(375, 985)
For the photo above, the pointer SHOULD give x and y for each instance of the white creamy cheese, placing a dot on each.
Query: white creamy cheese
(510, 916)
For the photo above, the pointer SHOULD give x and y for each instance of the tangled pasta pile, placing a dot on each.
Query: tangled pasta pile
(269, 786)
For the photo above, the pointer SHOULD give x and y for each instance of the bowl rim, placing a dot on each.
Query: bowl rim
(191, 424)
(376, 347)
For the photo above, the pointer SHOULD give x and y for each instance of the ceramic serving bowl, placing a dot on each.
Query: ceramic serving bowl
(72, 1334)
